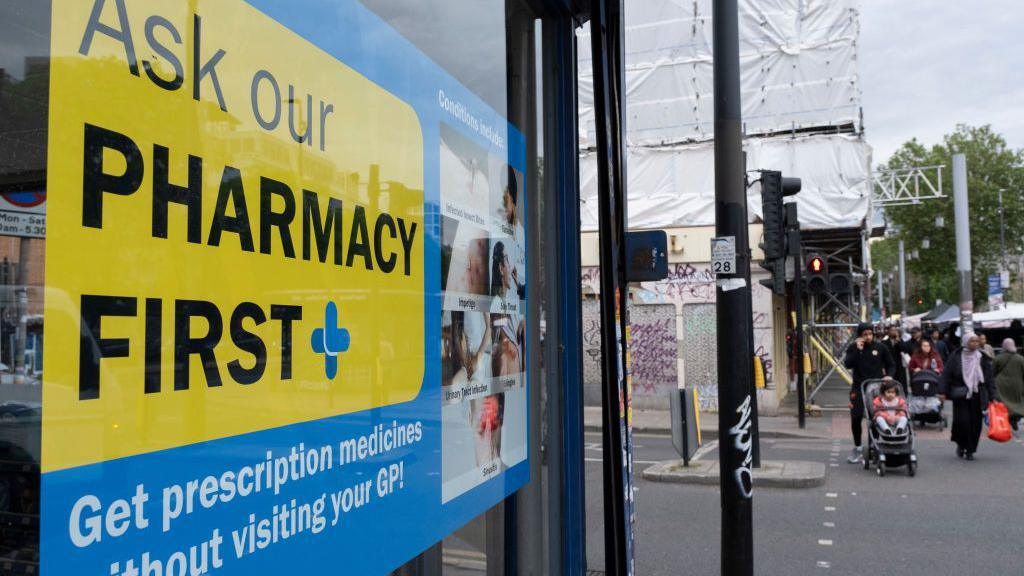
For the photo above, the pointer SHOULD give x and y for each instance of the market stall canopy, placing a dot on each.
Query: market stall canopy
(1001, 318)
(913, 321)
(941, 314)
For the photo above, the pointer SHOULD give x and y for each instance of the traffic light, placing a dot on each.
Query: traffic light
(776, 275)
(840, 283)
(816, 268)
(793, 240)
(775, 187)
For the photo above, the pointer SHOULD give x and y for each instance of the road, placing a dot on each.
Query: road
(954, 517)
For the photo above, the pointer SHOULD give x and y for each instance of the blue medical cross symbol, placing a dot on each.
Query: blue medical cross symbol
(330, 340)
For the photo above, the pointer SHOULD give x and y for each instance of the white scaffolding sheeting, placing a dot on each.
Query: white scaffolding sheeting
(675, 185)
(798, 64)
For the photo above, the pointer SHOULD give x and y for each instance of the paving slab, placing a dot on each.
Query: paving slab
(771, 474)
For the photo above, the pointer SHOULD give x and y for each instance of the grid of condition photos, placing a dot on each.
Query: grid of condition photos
(483, 276)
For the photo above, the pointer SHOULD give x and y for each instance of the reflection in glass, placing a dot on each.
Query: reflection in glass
(24, 94)
(490, 47)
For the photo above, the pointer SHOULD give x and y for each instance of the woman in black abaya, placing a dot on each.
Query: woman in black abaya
(967, 381)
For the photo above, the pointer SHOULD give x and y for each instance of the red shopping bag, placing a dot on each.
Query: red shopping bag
(999, 422)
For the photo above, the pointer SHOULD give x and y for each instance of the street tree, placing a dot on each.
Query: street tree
(991, 166)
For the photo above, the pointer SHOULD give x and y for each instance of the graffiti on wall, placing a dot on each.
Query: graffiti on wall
(652, 348)
(693, 285)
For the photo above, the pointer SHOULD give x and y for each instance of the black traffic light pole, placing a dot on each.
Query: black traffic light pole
(801, 400)
(793, 244)
(735, 364)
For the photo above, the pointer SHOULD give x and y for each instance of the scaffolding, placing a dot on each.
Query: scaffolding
(907, 186)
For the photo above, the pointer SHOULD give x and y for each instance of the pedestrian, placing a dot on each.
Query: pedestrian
(915, 339)
(925, 358)
(986, 348)
(868, 360)
(952, 338)
(897, 348)
(940, 345)
(1009, 370)
(967, 381)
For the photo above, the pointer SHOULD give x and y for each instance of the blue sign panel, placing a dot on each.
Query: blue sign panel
(245, 405)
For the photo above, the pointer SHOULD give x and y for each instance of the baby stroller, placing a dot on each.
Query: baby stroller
(886, 450)
(925, 406)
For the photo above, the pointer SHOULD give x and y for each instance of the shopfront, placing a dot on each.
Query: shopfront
(289, 285)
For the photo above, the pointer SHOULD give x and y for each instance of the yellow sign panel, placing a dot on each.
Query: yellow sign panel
(235, 231)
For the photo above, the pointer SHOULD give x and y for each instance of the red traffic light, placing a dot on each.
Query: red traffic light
(816, 265)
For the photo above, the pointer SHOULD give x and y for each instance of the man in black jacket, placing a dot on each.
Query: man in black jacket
(897, 347)
(868, 360)
(940, 344)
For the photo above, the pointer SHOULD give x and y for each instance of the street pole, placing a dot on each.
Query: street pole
(607, 30)
(798, 286)
(735, 365)
(963, 243)
(1002, 233)
(21, 331)
(881, 296)
(794, 250)
(903, 282)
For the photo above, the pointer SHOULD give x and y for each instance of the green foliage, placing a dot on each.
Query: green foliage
(991, 166)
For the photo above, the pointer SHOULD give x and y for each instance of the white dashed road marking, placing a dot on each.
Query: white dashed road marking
(637, 462)
(704, 449)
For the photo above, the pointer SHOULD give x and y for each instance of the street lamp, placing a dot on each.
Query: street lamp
(926, 243)
(940, 221)
(1002, 232)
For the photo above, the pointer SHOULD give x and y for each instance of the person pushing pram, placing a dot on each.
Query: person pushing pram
(867, 360)
(925, 374)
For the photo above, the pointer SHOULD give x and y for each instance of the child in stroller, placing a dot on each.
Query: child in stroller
(890, 435)
(890, 410)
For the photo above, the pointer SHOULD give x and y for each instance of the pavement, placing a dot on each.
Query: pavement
(703, 466)
(771, 474)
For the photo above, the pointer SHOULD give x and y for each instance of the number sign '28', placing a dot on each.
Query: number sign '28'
(723, 255)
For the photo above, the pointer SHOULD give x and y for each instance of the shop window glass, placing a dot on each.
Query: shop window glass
(486, 157)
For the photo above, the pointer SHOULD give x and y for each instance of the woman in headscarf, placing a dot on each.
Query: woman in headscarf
(1009, 369)
(967, 381)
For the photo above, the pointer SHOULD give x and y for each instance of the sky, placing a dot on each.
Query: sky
(927, 65)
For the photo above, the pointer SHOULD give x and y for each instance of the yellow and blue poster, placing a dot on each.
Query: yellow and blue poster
(285, 293)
